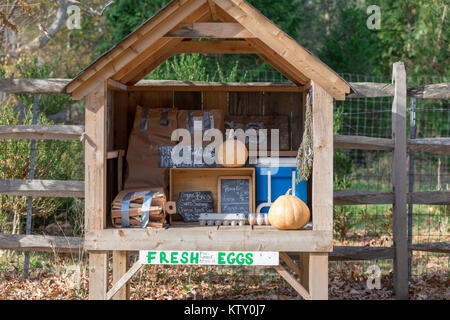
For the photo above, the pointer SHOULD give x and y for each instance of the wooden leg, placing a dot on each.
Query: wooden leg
(98, 275)
(120, 267)
(304, 269)
(318, 276)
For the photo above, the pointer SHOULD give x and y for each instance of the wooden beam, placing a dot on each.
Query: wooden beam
(120, 267)
(362, 143)
(33, 86)
(442, 247)
(212, 7)
(322, 186)
(40, 243)
(42, 132)
(371, 90)
(179, 237)
(318, 275)
(123, 280)
(95, 195)
(376, 90)
(348, 253)
(293, 282)
(433, 145)
(150, 65)
(431, 91)
(169, 85)
(116, 85)
(210, 30)
(430, 197)
(290, 263)
(350, 197)
(43, 188)
(216, 47)
(145, 58)
(322, 173)
(399, 180)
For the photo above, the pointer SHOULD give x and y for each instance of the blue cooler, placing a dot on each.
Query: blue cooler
(282, 176)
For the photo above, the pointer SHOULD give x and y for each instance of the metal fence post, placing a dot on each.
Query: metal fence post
(412, 135)
(30, 198)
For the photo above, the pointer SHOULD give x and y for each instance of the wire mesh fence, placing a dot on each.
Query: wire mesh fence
(355, 170)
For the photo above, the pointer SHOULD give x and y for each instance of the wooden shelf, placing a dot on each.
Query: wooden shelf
(194, 237)
(205, 179)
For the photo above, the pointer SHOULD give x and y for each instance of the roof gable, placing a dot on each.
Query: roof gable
(162, 36)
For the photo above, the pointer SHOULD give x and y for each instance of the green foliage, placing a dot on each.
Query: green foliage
(193, 67)
(351, 46)
(415, 32)
(284, 13)
(55, 160)
(124, 16)
(184, 67)
(31, 68)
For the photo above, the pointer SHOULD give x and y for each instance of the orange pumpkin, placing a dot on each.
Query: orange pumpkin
(289, 212)
(231, 153)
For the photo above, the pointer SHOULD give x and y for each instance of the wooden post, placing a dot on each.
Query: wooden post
(95, 187)
(120, 267)
(399, 179)
(322, 186)
(304, 269)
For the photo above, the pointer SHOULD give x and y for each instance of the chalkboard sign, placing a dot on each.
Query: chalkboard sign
(234, 194)
(191, 204)
(165, 157)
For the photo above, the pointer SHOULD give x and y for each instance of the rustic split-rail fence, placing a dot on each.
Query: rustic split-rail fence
(398, 144)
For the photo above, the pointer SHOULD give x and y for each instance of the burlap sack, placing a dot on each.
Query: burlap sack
(152, 127)
(213, 118)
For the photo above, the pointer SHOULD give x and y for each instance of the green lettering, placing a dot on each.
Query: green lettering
(151, 256)
(240, 258)
(221, 258)
(249, 257)
(194, 257)
(162, 258)
(173, 257)
(184, 257)
(231, 258)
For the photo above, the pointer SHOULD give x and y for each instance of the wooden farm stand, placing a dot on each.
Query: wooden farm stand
(111, 95)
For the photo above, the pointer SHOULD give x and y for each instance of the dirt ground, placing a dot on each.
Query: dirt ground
(62, 279)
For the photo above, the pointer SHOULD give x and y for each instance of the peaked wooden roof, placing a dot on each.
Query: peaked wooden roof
(172, 29)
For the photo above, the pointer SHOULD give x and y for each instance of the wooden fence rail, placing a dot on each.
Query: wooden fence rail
(44, 243)
(42, 132)
(43, 188)
(360, 89)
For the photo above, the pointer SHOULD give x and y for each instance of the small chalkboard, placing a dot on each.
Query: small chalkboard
(234, 194)
(191, 204)
(165, 157)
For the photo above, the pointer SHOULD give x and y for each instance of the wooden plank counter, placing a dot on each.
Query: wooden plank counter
(213, 238)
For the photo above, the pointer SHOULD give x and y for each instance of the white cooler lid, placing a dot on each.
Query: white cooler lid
(280, 162)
